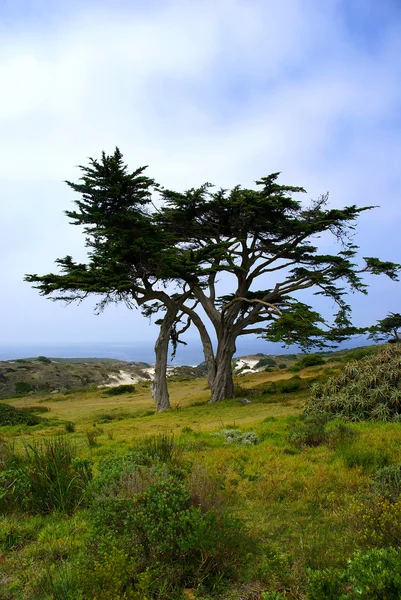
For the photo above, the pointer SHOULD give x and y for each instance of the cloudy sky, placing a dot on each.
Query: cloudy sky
(223, 91)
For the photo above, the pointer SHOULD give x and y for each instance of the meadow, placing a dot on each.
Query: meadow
(106, 499)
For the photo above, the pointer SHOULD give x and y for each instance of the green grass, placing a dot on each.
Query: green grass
(300, 503)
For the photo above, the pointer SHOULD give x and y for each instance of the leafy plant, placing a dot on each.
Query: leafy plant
(235, 436)
(373, 575)
(367, 389)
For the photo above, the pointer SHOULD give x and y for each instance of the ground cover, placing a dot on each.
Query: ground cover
(299, 508)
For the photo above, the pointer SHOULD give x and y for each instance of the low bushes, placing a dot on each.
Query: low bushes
(366, 389)
(14, 416)
(235, 436)
(160, 528)
(369, 575)
(310, 360)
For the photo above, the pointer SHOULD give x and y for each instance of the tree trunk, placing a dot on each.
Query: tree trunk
(159, 384)
(223, 386)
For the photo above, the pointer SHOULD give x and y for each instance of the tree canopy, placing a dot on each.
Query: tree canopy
(388, 329)
(262, 242)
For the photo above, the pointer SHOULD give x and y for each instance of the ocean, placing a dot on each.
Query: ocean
(143, 351)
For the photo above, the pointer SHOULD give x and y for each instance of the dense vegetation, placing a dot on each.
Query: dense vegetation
(108, 499)
(366, 389)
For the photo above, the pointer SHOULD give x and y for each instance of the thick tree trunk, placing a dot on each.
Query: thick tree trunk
(223, 386)
(159, 384)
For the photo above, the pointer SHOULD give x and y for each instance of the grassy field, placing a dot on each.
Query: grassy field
(312, 497)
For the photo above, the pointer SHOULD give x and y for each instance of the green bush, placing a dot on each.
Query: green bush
(373, 575)
(265, 362)
(310, 360)
(14, 416)
(120, 389)
(164, 536)
(44, 359)
(368, 389)
(307, 431)
(22, 388)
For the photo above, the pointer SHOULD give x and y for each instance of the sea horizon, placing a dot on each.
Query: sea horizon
(143, 351)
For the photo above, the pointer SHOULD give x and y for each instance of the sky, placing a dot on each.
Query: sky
(225, 91)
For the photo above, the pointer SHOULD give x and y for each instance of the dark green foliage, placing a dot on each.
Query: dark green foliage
(367, 389)
(14, 416)
(69, 427)
(388, 329)
(310, 360)
(22, 388)
(47, 478)
(307, 431)
(358, 353)
(120, 389)
(166, 535)
(290, 386)
(286, 386)
(372, 575)
(265, 362)
(44, 359)
(282, 366)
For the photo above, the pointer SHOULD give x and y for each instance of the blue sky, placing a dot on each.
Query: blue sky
(224, 91)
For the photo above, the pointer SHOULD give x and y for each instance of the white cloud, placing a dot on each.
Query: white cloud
(203, 91)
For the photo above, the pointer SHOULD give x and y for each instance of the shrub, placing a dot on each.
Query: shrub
(44, 359)
(235, 436)
(22, 388)
(310, 360)
(164, 536)
(340, 435)
(307, 431)
(367, 389)
(14, 416)
(120, 389)
(265, 362)
(69, 427)
(290, 386)
(369, 575)
(376, 521)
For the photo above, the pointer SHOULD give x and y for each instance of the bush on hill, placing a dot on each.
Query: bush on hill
(365, 389)
(14, 416)
(310, 360)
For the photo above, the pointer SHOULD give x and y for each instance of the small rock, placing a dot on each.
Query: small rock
(55, 391)
(245, 401)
